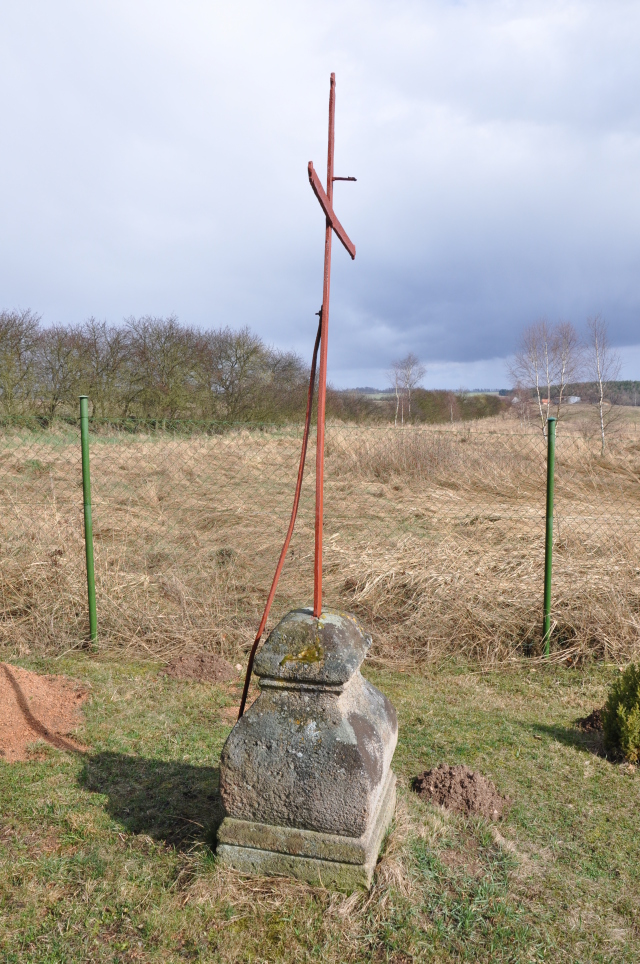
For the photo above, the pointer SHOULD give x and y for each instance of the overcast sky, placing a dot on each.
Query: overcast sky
(154, 161)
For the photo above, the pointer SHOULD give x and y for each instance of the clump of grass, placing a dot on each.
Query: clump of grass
(477, 597)
(456, 459)
(621, 717)
(34, 467)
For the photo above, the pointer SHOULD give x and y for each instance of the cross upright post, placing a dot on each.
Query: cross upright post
(332, 224)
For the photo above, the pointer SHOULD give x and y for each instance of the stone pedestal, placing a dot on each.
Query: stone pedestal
(305, 774)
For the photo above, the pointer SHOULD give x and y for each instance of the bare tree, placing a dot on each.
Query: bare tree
(19, 332)
(568, 358)
(413, 371)
(549, 356)
(405, 376)
(160, 363)
(286, 388)
(105, 350)
(531, 365)
(603, 367)
(451, 399)
(59, 367)
(522, 403)
(395, 381)
(234, 370)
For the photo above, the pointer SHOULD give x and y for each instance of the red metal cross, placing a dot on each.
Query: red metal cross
(326, 203)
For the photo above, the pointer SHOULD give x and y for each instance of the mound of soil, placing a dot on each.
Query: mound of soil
(593, 722)
(459, 788)
(34, 707)
(201, 668)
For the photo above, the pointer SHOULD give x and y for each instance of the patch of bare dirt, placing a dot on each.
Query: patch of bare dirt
(459, 788)
(592, 723)
(230, 713)
(397, 957)
(467, 862)
(34, 707)
(201, 668)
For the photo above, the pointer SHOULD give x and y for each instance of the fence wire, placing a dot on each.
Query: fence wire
(434, 535)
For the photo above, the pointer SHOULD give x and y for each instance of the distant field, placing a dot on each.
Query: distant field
(583, 419)
(434, 536)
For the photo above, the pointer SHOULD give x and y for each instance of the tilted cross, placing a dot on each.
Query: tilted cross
(326, 203)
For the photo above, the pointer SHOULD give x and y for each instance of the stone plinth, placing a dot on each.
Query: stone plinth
(305, 774)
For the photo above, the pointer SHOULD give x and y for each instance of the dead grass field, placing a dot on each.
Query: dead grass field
(434, 536)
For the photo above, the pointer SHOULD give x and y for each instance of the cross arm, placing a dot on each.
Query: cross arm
(325, 204)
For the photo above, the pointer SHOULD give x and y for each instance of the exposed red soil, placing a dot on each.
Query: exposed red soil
(459, 788)
(34, 707)
(207, 668)
(593, 722)
(201, 668)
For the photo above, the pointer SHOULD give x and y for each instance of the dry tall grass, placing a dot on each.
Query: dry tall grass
(435, 537)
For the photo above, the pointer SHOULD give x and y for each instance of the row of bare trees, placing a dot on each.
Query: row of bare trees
(149, 367)
(552, 358)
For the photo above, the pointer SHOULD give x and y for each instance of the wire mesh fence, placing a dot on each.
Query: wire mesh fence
(433, 535)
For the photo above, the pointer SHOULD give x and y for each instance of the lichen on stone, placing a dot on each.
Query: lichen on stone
(313, 653)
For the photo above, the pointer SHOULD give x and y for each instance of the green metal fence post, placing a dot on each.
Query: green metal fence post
(88, 524)
(548, 544)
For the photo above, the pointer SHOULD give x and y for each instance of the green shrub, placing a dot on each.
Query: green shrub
(621, 720)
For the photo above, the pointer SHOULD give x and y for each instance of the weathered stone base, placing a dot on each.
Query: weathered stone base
(346, 863)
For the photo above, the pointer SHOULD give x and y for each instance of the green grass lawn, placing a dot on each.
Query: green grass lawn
(107, 857)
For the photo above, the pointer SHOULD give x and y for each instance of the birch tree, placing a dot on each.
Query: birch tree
(394, 378)
(412, 372)
(405, 376)
(603, 367)
(548, 357)
(531, 366)
(568, 359)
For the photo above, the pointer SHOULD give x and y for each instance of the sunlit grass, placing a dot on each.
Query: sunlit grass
(106, 857)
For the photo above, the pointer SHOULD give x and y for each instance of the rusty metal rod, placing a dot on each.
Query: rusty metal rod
(331, 224)
(322, 379)
(292, 521)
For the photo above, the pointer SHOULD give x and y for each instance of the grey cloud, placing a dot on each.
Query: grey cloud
(155, 161)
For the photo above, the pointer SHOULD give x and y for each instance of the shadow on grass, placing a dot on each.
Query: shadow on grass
(170, 801)
(589, 742)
